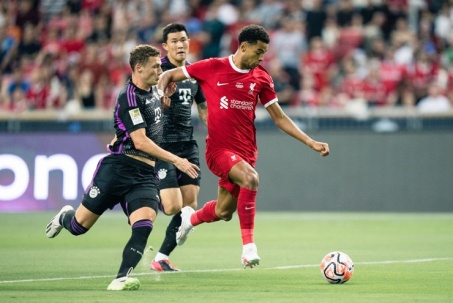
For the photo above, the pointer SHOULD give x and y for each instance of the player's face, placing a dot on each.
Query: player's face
(254, 54)
(177, 47)
(151, 71)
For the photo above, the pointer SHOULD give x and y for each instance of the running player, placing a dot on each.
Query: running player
(233, 87)
(177, 189)
(127, 174)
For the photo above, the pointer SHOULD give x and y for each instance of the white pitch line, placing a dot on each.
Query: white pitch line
(227, 269)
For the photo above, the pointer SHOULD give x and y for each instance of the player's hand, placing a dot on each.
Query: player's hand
(166, 102)
(169, 91)
(189, 168)
(321, 147)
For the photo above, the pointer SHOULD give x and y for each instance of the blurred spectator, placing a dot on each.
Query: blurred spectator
(373, 30)
(38, 95)
(308, 95)
(330, 33)
(351, 37)
(14, 91)
(350, 84)
(248, 11)
(391, 74)
(288, 45)
(270, 12)
(315, 18)
(50, 8)
(85, 91)
(283, 88)
(421, 73)
(72, 42)
(8, 46)
(370, 9)
(227, 13)
(443, 24)
(319, 62)
(26, 14)
(212, 33)
(29, 44)
(102, 30)
(344, 14)
(373, 88)
(435, 101)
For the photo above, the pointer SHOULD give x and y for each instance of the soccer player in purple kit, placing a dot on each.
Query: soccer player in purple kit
(233, 87)
(126, 175)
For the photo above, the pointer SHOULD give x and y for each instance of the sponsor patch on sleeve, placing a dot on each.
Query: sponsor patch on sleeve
(136, 116)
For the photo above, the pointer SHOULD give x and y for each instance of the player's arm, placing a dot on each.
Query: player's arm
(169, 76)
(166, 84)
(287, 125)
(145, 144)
(203, 112)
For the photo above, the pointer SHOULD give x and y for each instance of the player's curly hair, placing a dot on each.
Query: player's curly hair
(252, 34)
(141, 53)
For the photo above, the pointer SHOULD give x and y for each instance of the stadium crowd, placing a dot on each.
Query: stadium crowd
(73, 54)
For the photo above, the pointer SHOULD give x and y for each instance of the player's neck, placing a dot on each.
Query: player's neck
(176, 63)
(140, 84)
(236, 61)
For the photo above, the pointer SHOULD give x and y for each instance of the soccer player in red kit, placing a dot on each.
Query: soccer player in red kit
(233, 86)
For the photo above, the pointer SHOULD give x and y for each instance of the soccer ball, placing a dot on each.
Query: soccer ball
(337, 267)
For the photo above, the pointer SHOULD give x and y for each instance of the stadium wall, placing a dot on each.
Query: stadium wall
(366, 171)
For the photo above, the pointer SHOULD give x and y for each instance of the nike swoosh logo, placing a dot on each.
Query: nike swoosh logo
(221, 84)
(248, 208)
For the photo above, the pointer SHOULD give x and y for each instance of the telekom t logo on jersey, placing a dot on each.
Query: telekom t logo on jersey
(224, 102)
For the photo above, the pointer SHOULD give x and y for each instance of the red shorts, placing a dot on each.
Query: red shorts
(220, 162)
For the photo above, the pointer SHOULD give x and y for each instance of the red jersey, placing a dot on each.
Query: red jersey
(232, 95)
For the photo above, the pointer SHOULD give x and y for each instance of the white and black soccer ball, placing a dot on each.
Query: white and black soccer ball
(337, 267)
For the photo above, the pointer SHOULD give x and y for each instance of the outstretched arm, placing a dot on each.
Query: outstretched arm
(288, 126)
(166, 83)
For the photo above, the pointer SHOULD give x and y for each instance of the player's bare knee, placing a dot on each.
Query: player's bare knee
(192, 204)
(251, 180)
(225, 215)
(172, 209)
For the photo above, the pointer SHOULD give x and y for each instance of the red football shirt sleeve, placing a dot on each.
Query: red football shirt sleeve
(267, 94)
(199, 70)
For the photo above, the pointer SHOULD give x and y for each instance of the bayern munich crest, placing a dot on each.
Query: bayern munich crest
(94, 191)
(162, 173)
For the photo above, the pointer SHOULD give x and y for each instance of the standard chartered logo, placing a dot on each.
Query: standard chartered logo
(235, 104)
(224, 102)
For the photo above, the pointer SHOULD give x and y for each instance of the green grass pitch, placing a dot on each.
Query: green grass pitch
(397, 257)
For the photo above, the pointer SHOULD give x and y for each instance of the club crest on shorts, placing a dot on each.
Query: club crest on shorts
(94, 191)
(162, 173)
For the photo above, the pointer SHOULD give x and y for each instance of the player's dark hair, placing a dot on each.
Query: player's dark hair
(252, 34)
(173, 28)
(141, 53)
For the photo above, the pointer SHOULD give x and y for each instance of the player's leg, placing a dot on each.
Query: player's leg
(189, 195)
(95, 201)
(140, 202)
(247, 178)
(76, 222)
(172, 201)
(142, 214)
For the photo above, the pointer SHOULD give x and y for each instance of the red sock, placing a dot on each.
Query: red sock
(246, 213)
(205, 215)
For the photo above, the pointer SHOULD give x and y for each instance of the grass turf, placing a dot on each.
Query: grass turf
(398, 258)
